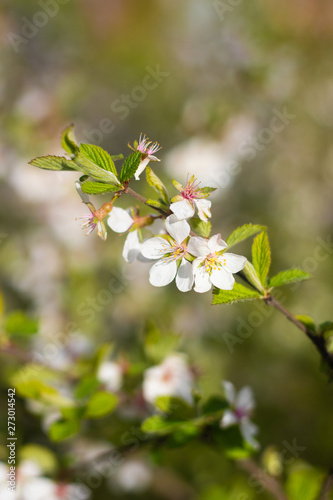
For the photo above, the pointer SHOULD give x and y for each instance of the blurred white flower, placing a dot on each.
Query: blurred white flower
(211, 267)
(171, 378)
(242, 406)
(134, 476)
(168, 254)
(110, 374)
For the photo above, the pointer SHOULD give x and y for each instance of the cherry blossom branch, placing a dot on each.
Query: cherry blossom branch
(317, 340)
(268, 482)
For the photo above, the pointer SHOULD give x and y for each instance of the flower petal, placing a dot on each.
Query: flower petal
(155, 248)
(234, 263)
(178, 229)
(162, 272)
(222, 279)
(119, 220)
(203, 207)
(249, 430)
(202, 278)
(230, 392)
(132, 247)
(182, 209)
(245, 400)
(141, 168)
(229, 418)
(216, 244)
(198, 247)
(185, 278)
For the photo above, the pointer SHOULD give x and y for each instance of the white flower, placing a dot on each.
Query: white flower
(170, 253)
(242, 405)
(170, 378)
(120, 221)
(133, 476)
(191, 196)
(147, 150)
(111, 375)
(212, 267)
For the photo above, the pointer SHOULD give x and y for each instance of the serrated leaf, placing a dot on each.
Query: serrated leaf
(326, 326)
(89, 187)
(130, 166)
(54, 163)
(156, 204)
(64, 429)
(304, 484)
(242, 233)
(238, 293)
(90, 168)
(17, 323)
(200, 227)
(306, 321)
(261, 256)
(290, 276)
(68, 141)
(156, 183)
(206, 191)
(98, 156)
(101, 403)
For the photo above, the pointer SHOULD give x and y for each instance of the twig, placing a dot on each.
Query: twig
(268, 482)
(317, 340)
(144, 200)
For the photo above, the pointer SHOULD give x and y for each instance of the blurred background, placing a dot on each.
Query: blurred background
(242, 96)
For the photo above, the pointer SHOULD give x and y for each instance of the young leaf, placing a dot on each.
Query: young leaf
(238, 293)
(290, 276)
(326, 326)
(68, 141)
(156, 183)
(90, 168)
(177, 185)
(156, 204)
(175, 408)
(89, 187)
(304, 484)
(261, 256)
(64, 429)
(130, 166)
(98, 156)
(200, 227)
(17, 323)
(100, 404)
(306, 321)
(242, 233)
(205, 191)
(53, 163)
(252, 276)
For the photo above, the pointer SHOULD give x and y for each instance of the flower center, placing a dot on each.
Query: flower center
(214, 262)
(191, 190)
(175, 252)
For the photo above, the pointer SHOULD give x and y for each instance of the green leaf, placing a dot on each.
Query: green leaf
(175, 408)
(232, 442)
(238, 293)
(261, 256)
(205, 191)
(326, 326)
(177, 185)
(242, 233)
(88, 167)
(117, 157)
(35, 389)
(214, 404)
(98, 156)
(304, 484)
(53, 163)
(130, 166)
(101, 403)
(306, 321)
(157, 204)
(64, 429)
(200, 227)
(156, 183)
(17, 323)
(290, 276)
(68, 141)
(252, 276)
(86, 386)
(89, 187)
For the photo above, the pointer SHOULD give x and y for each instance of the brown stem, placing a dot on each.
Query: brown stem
(317, 340)
(144, 200)
(268, 482)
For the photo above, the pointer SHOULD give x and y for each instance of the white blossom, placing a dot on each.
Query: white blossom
(110, 374)
(242, 406)
(191, 197)
(212, 266)
(170, 256)
(147, 150)
(171, 378)
(121, 221)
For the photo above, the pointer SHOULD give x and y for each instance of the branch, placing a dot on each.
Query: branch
(317, 340)
(268, 482)
(144, 200)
